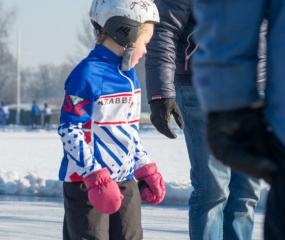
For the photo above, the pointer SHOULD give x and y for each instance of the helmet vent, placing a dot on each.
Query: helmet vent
(124, 31)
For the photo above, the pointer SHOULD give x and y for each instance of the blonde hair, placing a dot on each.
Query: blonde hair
(100, 38)
(144, 29)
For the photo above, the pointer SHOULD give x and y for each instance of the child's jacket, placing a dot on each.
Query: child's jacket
(100, 119)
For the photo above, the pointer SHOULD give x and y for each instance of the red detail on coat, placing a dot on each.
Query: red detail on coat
(68, 107)
(76, 178)
(87, 137)
(87, 125)
(116, 95)
(116, 123)
(86, 130)
(78, 110)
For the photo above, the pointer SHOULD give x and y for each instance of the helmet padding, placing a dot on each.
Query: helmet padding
(122, 30)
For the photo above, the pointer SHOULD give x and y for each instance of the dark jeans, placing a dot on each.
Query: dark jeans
(274, 225)
(82, 221)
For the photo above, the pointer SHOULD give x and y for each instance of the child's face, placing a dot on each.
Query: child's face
(141, 42)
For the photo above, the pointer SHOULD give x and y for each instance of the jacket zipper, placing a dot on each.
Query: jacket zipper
(129, 111)
(188, 56)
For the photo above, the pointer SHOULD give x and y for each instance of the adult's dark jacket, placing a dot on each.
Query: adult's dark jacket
(170, 48)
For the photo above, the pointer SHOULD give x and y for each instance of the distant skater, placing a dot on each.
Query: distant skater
(4, 114)
(47, 116)
(35, 115)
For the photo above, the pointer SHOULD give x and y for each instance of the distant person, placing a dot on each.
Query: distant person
(4, 114)
(245, 130)
(35, 114)
(99, 128)
(47, 116)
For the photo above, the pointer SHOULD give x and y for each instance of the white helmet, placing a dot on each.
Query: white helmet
(121, 19)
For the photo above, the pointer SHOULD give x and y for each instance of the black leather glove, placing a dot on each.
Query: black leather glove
(238, 139)
(161, 111)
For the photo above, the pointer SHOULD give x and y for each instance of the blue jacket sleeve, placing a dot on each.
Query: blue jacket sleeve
(77, 110)
(79, 97)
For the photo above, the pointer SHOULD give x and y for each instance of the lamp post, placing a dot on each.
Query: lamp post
(18, 113)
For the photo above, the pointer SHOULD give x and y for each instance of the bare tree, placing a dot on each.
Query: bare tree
(7, 62)
(45, 83)
(86, 41)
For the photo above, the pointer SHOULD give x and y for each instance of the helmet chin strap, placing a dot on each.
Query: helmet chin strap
(127, 56)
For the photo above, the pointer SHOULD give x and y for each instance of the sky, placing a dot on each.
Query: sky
(31, 204)
(47, 28)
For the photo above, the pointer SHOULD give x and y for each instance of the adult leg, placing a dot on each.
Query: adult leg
(48, 121)
(274, 226)
(45, 122)
(126, 223)
(234, 69)
(81, 220)
(209, 177)
(2, 119)
(239, 210)
(33, 120)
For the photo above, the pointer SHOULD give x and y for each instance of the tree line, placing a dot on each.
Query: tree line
(43, 83)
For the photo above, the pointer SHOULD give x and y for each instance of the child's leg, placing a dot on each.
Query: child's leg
(81, 220)
(126, 224)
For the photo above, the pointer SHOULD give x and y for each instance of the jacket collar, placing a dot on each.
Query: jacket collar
(106, 54)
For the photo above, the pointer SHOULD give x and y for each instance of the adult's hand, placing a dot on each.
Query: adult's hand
(238, 138)
(161, 111)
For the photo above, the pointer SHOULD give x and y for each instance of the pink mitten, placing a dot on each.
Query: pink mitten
(103, 192)
(154, 191)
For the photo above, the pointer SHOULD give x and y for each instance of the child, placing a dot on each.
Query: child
(99, 129)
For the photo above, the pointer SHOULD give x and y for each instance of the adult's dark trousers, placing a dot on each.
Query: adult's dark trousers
(46, 121)
(35, 120)
(274, 225)
(82, 221)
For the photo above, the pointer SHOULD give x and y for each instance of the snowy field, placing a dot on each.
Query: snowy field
(31, 196)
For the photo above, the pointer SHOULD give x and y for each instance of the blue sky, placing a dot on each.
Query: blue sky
(48, 29)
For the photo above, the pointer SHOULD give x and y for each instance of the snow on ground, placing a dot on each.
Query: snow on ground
(31, 196)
